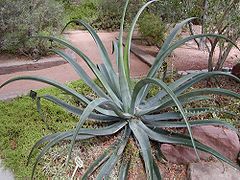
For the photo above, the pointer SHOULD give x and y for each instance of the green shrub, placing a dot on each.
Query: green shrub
(101, 14)
(152, 29)
(172, 11)
(86, 10)
(125, 108)
(21, 19)
(109, 14)
(110, 11)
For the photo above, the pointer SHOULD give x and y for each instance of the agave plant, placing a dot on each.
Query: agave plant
(125, 107)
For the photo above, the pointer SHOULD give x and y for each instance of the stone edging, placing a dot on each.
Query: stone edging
(31, 65)
(224, 69)
(149, 60)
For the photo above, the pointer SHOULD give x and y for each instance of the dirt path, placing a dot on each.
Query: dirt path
(187, 57)
(64, 73)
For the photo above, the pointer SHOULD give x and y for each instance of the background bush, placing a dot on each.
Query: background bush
(85, 9)
(152, 29)
(109, 16)
(20, 19)
(101, 14)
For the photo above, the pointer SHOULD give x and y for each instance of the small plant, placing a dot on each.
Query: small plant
(127, 109)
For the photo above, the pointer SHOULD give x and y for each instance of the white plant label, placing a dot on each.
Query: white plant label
(79, 164)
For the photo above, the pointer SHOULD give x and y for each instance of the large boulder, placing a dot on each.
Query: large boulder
(236, 70)
(223, 140)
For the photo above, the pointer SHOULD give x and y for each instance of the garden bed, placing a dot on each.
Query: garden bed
(21, 126)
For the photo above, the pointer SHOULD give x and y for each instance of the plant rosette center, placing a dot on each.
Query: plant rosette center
(134, 119)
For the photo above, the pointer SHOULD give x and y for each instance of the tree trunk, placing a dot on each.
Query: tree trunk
(204, 18)
(226, 52)
(190, 25)
(223, 58)
(210, 57)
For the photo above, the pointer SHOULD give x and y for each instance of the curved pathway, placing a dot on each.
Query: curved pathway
(64, 73)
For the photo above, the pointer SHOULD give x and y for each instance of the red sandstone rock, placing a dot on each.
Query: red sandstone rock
(223, 140)
(181, 154)
(236, 70)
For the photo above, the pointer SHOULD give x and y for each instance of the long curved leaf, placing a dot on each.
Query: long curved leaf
(54, 141)
(180, 124)
(165, 52)
(85, 133)
(183, 140)
(102, 49)
(193, 96)
(85, 115)
(98, 162)
(59, 86)
(142, 83)
(40, 142)
(123, 172)
(203, 76)
(124, 79)
(144, 143)
(152, 100)
(186, 82)
(90, 64)
(168, 102)
(78, 111)
(129, 38)
(156, 172)
(159, 60)
(177, 115)
(111, 162)
(50, 82)
(83, 75)
(102, 68)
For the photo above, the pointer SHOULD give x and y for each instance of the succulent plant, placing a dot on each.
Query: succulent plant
(125, 108)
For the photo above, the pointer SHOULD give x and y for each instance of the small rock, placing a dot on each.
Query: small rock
(225, 141)
(236, 70)
(183, 73)
(5, 174)
(204, 70)
(212, 171)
